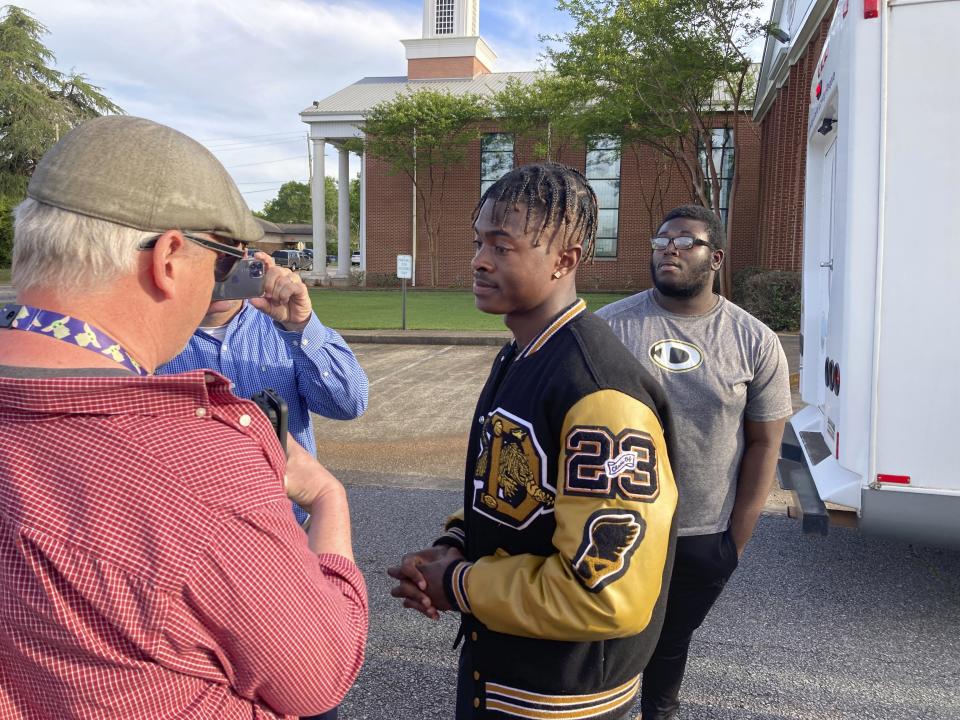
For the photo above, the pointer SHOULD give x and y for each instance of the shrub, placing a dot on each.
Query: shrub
(381, 280)
(772, 296)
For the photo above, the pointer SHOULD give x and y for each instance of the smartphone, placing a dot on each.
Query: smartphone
(245, 281)
(275, 408)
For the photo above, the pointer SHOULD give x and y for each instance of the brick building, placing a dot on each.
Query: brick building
(633, 184)
(783, 94)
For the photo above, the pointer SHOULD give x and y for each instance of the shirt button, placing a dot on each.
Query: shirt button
(473, 636)
(326, 373)
(263, 368)
(244, 420)
(476, 702)
(476, 675)
(304, 342)
(201, 412)
(208, 378)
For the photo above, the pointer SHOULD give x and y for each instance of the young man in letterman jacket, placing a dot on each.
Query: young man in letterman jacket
(560, 559)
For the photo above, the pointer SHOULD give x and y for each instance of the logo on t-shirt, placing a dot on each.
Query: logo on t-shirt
(676, 355)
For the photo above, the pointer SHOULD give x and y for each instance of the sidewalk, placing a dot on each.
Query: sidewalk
(427, 337)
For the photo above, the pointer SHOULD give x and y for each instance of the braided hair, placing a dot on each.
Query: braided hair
(556, 194)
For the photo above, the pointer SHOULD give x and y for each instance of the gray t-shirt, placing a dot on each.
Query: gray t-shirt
(716, 369)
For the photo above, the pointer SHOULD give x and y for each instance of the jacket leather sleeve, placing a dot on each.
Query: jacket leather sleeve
(614, 511)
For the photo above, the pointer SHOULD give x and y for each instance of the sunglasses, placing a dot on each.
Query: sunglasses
(683, 242)
(227, 255)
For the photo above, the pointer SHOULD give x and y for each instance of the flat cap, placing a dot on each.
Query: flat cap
(143, 175)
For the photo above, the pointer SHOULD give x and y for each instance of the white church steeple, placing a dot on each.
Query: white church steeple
(451, 46)
(451, 18)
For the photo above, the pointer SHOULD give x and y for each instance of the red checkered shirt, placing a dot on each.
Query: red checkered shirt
(150, 566)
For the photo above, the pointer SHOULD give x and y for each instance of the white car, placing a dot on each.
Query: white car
(355, 258)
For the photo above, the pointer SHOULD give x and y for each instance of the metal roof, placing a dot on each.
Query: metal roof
(273, 228)
(365, 93)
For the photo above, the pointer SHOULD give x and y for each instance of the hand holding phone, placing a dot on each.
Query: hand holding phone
(246, 280)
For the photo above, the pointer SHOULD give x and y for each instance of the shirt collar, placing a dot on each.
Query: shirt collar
(553, 328)
(235, 322)
(180, 395)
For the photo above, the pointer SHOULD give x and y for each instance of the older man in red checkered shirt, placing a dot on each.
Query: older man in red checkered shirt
(150, 565)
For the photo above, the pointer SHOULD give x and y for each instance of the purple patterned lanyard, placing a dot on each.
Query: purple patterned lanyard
(68, 329)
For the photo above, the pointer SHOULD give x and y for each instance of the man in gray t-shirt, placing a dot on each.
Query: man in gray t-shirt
(726, 378)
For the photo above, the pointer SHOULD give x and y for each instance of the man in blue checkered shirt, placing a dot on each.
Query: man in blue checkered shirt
(276, 341)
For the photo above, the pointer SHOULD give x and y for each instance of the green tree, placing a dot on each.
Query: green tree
(422, 135)
(355, 213)
(38, 104)
(293, 204)
(666, 72)
(549, 110)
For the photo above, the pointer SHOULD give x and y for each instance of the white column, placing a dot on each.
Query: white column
(343, 215)
(318, 195)
(363, 211)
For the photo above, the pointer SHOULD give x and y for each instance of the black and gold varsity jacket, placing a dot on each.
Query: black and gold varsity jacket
(567, 526)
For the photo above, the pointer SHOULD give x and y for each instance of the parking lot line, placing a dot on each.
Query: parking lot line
(411, 365)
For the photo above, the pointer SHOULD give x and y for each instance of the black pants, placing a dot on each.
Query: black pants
(701, 568)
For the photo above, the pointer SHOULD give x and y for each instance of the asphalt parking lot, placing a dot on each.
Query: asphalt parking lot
(843, 627)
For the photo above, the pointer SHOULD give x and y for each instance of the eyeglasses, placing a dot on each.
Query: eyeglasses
(227, 255)
(682, 242)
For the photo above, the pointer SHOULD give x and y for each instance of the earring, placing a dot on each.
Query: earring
(556, 274)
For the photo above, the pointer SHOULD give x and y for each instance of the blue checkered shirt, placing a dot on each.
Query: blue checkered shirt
(313, 371)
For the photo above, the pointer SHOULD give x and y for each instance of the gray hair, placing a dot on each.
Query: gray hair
(65, 251)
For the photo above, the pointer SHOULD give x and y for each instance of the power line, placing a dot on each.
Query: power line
(244, 146)
(252, 192)
(266, 162)
(248, 137)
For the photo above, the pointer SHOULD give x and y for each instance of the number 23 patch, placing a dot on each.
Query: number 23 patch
(603, 465)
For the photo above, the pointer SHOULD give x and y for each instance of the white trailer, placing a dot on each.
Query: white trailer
(880, 344)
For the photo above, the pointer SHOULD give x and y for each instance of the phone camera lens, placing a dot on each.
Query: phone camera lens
(256, 269)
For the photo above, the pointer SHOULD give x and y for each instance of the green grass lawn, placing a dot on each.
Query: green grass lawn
(4, 275)
(426, 310)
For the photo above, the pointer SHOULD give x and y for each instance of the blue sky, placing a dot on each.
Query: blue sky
(234, 74)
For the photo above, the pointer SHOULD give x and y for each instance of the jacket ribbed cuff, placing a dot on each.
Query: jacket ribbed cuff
(455, 585)
(453, 536)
